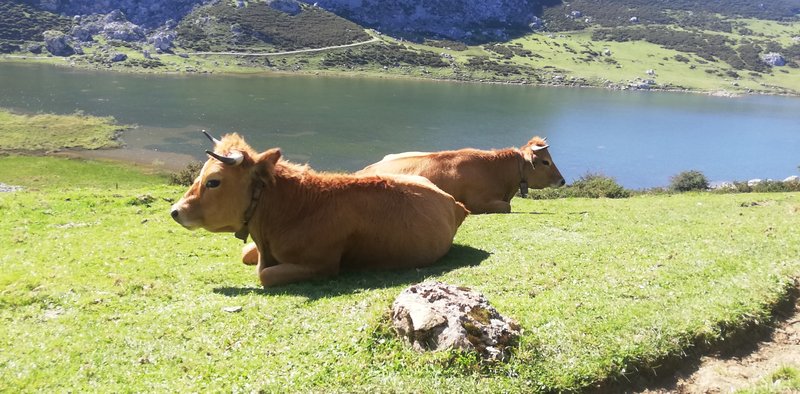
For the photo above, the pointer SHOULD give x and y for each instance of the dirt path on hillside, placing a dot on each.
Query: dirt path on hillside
(744, 368)
(370, 41)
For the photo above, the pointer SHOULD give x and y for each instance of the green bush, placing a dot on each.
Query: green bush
(591, 185)
(186, 176)
(688, 181)
(767, 187)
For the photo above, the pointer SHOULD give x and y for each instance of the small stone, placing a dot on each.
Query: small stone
(232, 309)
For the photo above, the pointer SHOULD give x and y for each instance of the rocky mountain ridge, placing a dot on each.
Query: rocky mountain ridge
(460, 20)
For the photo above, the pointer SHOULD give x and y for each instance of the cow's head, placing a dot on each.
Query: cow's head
(539, 169)
(224, 191)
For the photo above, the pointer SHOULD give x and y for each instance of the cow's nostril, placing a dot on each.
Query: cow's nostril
(563, 182)
(174, 214)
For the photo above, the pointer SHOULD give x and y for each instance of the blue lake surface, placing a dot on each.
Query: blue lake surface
(639, 138)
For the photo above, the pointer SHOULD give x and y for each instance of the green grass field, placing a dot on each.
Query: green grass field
(101, 291)
(46, 132)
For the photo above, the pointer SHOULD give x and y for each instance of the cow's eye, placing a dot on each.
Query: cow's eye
(545, 162)
(212, 183)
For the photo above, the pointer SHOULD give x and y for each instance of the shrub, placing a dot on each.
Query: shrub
(767, 187)
(595, 185)
(587, 186)
(688, 181)
(186, 176)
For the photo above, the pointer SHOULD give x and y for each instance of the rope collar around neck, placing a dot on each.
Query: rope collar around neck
(243, 232)
(523, 184)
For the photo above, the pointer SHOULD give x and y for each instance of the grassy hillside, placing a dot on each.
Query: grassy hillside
(24, 22)
(99, 288)
(709, 47)
(258, 27)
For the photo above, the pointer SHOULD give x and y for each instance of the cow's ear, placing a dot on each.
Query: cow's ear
(264, 165)
(528, 155)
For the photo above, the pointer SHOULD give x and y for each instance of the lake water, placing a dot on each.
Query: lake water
(639, 138)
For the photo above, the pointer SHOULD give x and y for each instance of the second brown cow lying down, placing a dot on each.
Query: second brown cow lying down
(485, 181)
(309, 225)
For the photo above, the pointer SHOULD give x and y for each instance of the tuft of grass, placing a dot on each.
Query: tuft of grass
(785, 379)
(46, 132)
(100, 288)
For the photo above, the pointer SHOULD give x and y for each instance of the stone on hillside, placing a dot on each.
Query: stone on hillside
(83, 33)
(35, 49)
(754, 182)
(774, 59)
(162, 40)
(118, 57)
(57, 44)
(434, 315)
(123, 31)
(793, 178)
(536, 23)
(290, 7)
(633, 19)
(650, 72)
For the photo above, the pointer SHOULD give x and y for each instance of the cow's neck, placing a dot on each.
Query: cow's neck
(244, 231)
(284, 201)
(511, 164)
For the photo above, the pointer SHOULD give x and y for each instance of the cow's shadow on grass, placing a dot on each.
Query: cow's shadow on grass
(351, 282)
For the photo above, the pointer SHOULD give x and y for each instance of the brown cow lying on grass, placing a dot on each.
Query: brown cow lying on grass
(485, 181)
(309, 225)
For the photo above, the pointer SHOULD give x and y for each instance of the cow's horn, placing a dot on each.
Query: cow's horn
(213, 140)
(538, 147)
(234, 159)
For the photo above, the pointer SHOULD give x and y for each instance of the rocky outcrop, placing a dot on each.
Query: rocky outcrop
(452, 19)
(162, 40)
(113, 26)
(489, 20)
(147, 13)
(434, 315)
(774, 59)
(57, 43)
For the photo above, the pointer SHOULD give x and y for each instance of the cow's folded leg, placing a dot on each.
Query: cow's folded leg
(289, 273)
(250, 254)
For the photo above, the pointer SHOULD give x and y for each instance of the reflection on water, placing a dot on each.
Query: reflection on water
(640, 138)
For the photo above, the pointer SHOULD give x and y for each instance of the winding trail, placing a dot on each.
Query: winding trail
(373, 39)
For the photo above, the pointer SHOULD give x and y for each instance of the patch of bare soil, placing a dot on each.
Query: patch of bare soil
(741, 368)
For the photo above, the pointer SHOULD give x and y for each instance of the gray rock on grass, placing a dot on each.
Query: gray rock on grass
(435, 315)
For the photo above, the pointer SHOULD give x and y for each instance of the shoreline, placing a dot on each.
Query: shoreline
(52, 61)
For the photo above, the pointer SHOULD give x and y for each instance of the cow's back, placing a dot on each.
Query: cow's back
(411, 223)
(465, 174)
